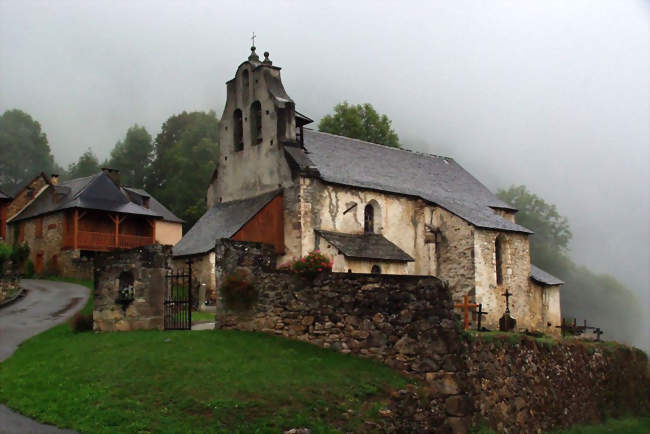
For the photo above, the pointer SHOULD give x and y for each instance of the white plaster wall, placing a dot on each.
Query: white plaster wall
(398, 218)
(525, 304)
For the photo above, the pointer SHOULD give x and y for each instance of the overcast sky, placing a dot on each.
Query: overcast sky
(550, 94)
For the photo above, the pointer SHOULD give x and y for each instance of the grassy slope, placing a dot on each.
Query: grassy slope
(189, 382)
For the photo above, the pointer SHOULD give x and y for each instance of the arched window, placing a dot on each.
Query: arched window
(369, 219)
(238, 131)
(256, 122)
(376, 269)
(499, 250)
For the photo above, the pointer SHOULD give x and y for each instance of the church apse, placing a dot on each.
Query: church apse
(257, 122)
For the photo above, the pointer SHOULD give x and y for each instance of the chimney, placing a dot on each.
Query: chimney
(114, 174)
(54, 178)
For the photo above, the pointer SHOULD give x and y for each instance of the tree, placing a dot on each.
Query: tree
(132, 156)
(552, 231)
(24, 151)
(86, 165)
(185, 154)
(360, 122)
(598, 298)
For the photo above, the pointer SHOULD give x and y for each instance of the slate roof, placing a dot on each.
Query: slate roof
(156, 206)
(365, 246)
(4, 196)
(96, 192)
(221, 221)
(439, 180)
(543, 277)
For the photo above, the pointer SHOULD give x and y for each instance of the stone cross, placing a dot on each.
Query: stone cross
(466, 306)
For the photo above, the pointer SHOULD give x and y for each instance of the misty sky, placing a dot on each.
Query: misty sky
(551, 94)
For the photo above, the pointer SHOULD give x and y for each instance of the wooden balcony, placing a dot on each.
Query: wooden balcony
(104, 241)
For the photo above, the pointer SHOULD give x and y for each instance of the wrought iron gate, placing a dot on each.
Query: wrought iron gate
(178, 299)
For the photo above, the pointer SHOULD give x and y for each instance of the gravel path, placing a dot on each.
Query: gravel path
(46, 304)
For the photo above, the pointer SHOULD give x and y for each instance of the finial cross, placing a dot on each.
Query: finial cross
(253, 38)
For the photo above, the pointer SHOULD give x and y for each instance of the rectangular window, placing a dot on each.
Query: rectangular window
(38, 228)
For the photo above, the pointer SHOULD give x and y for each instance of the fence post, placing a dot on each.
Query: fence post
(189, 298)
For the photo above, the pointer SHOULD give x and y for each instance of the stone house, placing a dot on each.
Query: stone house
(372, 208)
(4, 203)
(65, 223)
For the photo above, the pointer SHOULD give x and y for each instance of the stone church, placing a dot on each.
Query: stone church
(371, 208)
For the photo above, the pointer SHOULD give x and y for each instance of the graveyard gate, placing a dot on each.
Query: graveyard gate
(177, 304)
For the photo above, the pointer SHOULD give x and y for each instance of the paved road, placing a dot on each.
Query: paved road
(45, 305)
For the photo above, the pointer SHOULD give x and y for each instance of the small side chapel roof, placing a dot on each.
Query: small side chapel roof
(221, 221)
(541, 276)
(366, 246)
(438, 180)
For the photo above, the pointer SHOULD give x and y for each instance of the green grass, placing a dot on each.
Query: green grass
(190, 382)
(202, 316)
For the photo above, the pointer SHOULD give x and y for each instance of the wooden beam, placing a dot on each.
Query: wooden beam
(153, 231)
(82, 214)
(117, 229)
(75, 224)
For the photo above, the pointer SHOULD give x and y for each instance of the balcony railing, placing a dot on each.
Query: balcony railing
(106, 241)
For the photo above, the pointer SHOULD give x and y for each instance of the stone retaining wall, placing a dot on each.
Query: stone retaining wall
(406, 322)
(511, 383)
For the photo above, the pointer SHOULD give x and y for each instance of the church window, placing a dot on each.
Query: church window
(369, 219)
(238, 131)
(376, 269)
(256, 122)
(499, 247)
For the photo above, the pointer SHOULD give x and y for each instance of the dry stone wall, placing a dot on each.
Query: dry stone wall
(512, 383)
(522, 385)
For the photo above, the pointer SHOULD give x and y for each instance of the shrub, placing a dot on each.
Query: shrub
(5, 255)
(238, 290)
(29, 268)
(20, 254)
(312, 264)
(82, 322)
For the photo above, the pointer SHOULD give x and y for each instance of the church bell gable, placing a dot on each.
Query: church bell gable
(257, 122)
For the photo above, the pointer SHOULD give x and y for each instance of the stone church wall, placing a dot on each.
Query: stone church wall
(399, 218)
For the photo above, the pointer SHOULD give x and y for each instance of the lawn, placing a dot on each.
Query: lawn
(210, 381)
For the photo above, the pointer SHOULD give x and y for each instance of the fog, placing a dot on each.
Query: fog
(550, 94)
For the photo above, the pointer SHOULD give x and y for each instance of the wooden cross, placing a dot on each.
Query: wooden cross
(253, 38)
(480, 313)
(466, 306)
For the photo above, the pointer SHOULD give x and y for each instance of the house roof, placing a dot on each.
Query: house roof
(4, 196)
(543, 277)
(365, 246)
(96, 192)
(154, 205)
(221, 221)
(439, 180)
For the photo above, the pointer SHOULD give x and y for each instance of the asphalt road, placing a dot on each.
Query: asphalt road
(46, 304)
